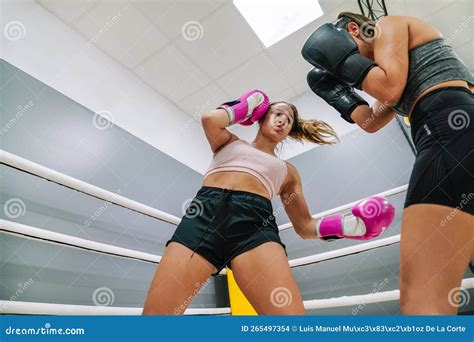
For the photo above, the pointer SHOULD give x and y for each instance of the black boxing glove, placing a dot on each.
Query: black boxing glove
(337, 94)
(335, 50)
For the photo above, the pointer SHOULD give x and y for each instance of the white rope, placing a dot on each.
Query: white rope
(39, 233)
(370, 298)
(312, 259)
(73, 241)
(348, 206)
(378, 297)
(57, 177)
(64, 239)
(76, 184)
(34, 308)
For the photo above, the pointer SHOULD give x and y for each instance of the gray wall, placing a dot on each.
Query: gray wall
(58, 133)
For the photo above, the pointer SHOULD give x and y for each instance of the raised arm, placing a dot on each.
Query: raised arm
(334, 50)
(246, 110)
(371, 119)
(386, 81)
(214, 124)
(352, 107)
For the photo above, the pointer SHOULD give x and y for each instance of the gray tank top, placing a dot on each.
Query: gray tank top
(431, 63)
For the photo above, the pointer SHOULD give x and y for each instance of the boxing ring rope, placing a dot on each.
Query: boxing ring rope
(337, 253)
(72, 241)
(81, 186)
(30, 167)
(35, 308)
(388, 193)
(371, 298)
(15, 228)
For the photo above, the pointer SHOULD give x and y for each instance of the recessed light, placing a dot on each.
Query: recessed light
(273, 20)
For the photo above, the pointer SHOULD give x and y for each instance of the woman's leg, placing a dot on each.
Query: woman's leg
(264, 276)
(177, 280)
(437, 244)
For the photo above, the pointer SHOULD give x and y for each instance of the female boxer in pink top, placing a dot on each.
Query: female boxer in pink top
(234, 225)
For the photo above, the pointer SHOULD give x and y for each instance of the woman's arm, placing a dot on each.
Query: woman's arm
(246, 110)
(214, 124)
(295, 205)
(387, 80)
(363, 224)
(373, 119)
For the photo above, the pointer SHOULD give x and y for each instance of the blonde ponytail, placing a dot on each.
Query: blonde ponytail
(314, 131)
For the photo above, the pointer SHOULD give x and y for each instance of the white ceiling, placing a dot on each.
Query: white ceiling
(227, 58)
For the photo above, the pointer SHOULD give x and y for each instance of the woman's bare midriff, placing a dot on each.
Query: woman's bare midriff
(233, 180)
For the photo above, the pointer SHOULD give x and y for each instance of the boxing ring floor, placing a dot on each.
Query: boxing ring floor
(109, 279)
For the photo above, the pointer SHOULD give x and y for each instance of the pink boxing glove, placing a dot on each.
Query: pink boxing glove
(370, 217)
(248, 108)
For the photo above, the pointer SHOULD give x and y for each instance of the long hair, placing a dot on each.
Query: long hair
(312, 130)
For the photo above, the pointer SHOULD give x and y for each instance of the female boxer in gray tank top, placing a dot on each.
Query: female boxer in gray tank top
(406, 65)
